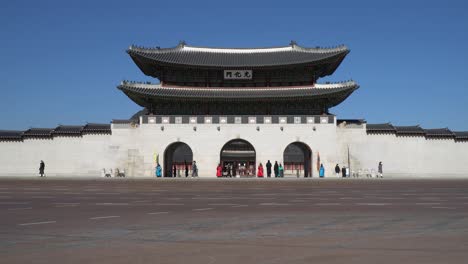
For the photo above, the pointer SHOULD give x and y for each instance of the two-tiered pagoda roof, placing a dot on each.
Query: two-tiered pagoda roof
(283, 76)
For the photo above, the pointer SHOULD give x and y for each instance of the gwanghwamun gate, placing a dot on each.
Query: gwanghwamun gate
(237, 107)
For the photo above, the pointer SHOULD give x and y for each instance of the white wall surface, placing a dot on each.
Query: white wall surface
(132, 149)
(404, 156)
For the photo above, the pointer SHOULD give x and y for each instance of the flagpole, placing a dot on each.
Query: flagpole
(349, 163)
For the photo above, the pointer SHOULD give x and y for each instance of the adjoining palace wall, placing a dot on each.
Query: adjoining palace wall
(403, 156)
(133, 149)
(64, 156)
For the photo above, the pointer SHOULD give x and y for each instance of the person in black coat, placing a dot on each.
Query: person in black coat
(343, 172)
(337, 170)
(174, 171)
(268, 167)
(276, 169)
(234, 169)
(41, 168)
(186, 170)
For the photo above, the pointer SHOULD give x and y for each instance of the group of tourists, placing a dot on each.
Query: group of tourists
(233, 169)
(175, 172)
(278, 169)
(344, 171)
(369, 173)
(230, 170)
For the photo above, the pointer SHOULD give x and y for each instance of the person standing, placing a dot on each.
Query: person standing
(321, 171)
(343, 172)
(158, 170)
(380, 170)
(260, 171)
(337, 170)
(276, 169)
(42, 168)
(174, 171)
(234, 169)
(268, 166)
(194, 169)
(229, 170)
(219, 171)
(281, 170)
(186, 170)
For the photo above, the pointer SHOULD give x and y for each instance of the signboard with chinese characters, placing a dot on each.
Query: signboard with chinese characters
(238, 74)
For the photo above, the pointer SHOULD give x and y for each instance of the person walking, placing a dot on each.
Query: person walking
(276, 169)
(343, 172)
(281, 170)
(219, 171)
(380, 170)
(42, 168)
(337, 170)
(268, 166)
(194, 169)
(260, 171)
(158, 170)
(321, 171)
(186, 170)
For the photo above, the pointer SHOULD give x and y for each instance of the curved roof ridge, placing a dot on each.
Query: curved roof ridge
(40, 128)
(148, 85)
(293, 46)
(335, 84)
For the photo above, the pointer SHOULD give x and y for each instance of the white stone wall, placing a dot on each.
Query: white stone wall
(207, 141)
(67, 156)
(403, 156)
(132, 149)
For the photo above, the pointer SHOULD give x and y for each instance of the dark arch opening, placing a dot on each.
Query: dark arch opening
(297, 158)
(238, 157)
(177, 154)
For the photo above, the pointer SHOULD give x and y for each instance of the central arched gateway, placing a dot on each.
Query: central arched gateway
(237, 157)
(297, 158)
(177, 154)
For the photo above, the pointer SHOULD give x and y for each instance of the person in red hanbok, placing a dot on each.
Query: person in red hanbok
(219, 171)
(260, 170)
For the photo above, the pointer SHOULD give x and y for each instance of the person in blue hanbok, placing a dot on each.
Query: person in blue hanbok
(158, 170)
(322, 171)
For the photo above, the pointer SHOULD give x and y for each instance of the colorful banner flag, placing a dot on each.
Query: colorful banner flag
(318, 161)
(155, 158)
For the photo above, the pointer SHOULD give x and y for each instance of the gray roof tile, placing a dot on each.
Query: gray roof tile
(409, 130)
(93, 128)
(438, 132)
(11, 135)
(38, 133)
(461, 135)
(65, 130)
(241, 93)
(380, 128)
(235, 57)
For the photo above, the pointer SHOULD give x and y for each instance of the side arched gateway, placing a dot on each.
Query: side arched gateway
(297, 158)
(238, 157)
(176, 156)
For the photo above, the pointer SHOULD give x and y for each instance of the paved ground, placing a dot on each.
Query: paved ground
(233, 221)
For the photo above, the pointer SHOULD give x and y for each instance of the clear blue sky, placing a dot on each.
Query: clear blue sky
(60, 61)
